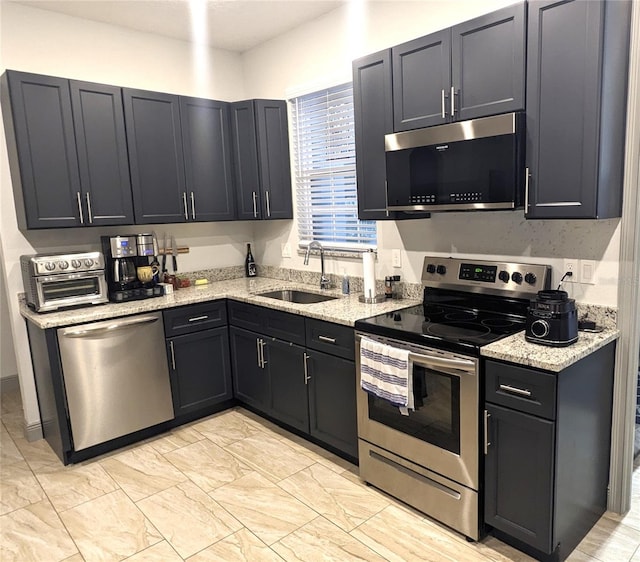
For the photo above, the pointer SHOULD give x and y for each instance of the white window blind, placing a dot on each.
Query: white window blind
(325, 170)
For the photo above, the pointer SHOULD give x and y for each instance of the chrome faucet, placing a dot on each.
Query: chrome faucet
(324, 280)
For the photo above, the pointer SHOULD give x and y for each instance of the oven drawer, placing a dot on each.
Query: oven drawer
(334, 339)
(523, 389)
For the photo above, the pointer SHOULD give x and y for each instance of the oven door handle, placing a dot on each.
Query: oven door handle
(432, 361)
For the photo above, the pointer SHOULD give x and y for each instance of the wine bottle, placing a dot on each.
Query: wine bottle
(250, 264)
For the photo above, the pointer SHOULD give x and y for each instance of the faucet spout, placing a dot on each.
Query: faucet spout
(324, 280)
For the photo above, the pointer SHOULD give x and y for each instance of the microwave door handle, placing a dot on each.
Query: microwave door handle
(431, 361)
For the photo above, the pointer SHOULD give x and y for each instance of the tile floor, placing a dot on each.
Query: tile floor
(231, 487)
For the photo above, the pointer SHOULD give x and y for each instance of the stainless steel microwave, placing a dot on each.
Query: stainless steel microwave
(468, 165)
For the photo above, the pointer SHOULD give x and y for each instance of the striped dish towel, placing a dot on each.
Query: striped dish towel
(385, 372)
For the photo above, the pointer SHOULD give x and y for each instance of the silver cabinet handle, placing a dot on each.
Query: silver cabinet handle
(258, 351)
(266, 193)
(487, 415)
(173, 356)
(184, 203)
(386, 196)
(255, 207)
(307, 378)
(89, 212)
(193, 206)
(262, 360)
(453, 101)
(198, 318)
(515, 390)
(327, 339)
(444, 111)
(527, 175)
(80, 207)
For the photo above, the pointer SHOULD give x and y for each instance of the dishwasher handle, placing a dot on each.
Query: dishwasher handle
(97, 330)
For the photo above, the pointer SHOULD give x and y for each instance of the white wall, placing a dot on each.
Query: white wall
(325, 49)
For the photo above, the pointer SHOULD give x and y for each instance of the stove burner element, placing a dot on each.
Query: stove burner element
(461, 315)
(458, 330)
(497, 322)
(432, 309)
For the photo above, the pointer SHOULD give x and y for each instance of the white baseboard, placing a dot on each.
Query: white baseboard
(9, 383)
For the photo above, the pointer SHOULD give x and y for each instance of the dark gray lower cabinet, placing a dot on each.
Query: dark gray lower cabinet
(250, 379)
(547, 448)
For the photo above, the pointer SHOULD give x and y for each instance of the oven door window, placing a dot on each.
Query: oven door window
(436, 418)
(68, 288)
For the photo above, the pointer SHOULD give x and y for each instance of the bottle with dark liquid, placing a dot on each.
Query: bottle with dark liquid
(250, 264)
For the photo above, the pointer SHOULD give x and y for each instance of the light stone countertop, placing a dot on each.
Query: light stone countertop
(346, 309)
(516, 349)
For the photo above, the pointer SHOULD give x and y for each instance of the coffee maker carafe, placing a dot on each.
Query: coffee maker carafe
(120, 253)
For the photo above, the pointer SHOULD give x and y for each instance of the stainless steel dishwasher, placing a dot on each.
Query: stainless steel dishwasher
(116, 377)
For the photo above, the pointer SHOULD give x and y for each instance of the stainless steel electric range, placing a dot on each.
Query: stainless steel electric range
(430, 458)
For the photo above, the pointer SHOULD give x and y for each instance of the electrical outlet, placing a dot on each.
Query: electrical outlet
(396, 258)
(286, 250)
(588, 272)
(572, 266)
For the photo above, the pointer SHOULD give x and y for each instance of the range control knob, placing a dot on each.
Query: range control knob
(49, 266)
(63, 265)
(88, 262)
(504, 276)
(76, 264)
(530, 278)
(516, 277)
(441, 270)
(431, 268)
(397, 317)
(540, 328)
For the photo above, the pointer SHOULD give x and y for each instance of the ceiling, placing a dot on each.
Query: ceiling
(234, 25)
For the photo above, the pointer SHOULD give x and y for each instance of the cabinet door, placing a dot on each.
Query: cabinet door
(488, 64)
(155, 156)
(207, 159)
(289, 402)
(200, 371)
(332, 401)
(273, 158)
(519, 470)
(245, 160)
(44, 164)
(102, 153)
(250, 376)
(422, 81)
(563, 87)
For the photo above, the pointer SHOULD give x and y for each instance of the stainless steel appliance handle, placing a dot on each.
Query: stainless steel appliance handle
(80, 207)
(487, 415)
(110, 328)
(198, 318)
(173, 356)
(184, 203)
(193, 206)
(429, 360)
(89, 212)
(453, 101)
(306, 369)
(444, 112)
(327, 339)
(527, 175)
(255, 208)
(515, 390)
(266, 193)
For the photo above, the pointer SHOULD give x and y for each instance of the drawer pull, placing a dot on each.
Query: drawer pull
(327, 339)
(198, 318)
(514, 390)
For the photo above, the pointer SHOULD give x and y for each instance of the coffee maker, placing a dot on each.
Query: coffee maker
(124, 255)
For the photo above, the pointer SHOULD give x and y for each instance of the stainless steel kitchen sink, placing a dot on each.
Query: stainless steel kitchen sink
(299, 297)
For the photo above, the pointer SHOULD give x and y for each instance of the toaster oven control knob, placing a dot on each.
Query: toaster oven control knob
(540, 328)
(88, 262)
(63, 265)
(516, 276)
(49, 266)
(431, 268)
(530, 278)
(76, 264)
(504, 276)
(441, 270)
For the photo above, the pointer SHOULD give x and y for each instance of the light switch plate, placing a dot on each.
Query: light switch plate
(588, 272)
(396, 258)
(286, 250)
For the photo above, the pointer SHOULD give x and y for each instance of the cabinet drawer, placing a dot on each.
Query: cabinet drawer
(275, 323)
(331, 338)
(522, 389)
(193, 318)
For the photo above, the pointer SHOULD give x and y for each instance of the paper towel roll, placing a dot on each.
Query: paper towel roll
(369, 273)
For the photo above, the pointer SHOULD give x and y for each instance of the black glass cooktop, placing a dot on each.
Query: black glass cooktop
(453, 321)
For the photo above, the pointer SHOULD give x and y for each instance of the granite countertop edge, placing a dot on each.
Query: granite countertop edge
(516, 349)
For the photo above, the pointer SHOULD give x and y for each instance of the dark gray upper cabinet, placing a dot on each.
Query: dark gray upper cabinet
(474, 69)
(576, 108)
(261, 159)
(207, 159)
(102, 153)
(155, 156)
(373, 115)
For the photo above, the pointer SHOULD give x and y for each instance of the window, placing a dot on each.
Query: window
(325, 171)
